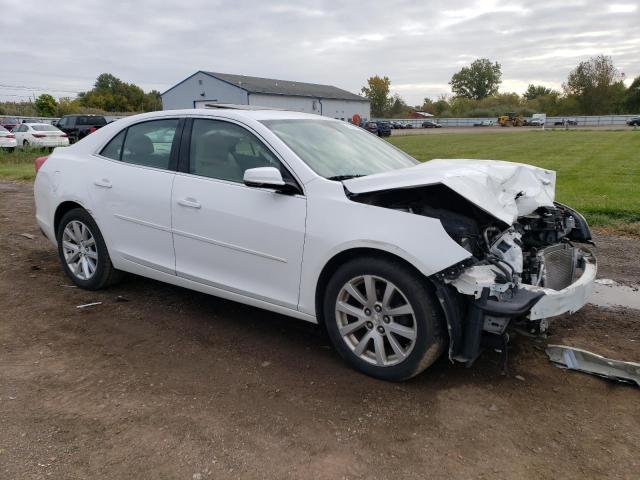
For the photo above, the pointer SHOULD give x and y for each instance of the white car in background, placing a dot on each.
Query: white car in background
(39, 135)
(317, 219)
(7, 140)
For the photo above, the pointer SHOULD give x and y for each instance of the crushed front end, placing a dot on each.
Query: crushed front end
(520, 276)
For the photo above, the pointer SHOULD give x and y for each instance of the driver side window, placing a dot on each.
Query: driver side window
(224, 151)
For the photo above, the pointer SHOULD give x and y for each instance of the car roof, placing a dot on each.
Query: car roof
(256, 114)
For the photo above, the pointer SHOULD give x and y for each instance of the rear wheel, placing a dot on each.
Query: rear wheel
(382, 319)
(83, 253)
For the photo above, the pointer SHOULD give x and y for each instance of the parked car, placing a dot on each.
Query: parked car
(484, 123)
(407, 125)
(9, 123)
(371, 127)
(7, 140)
(402, 260)
(567, 121)
(634, 122)
(396, 125)
(535, 122)
(430, 124)
(384, 129)
(79, 126)
(39, 135)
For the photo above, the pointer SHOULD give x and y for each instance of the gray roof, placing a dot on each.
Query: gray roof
(286, 87)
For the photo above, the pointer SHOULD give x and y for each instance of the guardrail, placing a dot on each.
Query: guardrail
(51, 120)
(581, 120)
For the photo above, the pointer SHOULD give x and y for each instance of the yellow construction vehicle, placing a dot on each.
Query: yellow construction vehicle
(510, 119)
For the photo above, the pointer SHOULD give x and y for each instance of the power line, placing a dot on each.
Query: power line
(24, 87)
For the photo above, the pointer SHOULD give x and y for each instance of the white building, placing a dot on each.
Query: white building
(204, 88)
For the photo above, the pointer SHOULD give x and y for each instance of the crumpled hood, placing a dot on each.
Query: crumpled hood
(505, 190)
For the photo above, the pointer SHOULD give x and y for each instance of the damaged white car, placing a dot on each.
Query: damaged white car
(320, 220)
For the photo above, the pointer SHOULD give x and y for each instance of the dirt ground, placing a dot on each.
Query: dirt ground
(176, 384)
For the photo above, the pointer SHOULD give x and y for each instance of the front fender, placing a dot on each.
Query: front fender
(336, 224)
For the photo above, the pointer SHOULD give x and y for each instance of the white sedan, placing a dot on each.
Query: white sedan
(7, 140)
(317, 219)
(39, 135)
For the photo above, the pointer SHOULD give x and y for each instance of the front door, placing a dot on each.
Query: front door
(243, 239)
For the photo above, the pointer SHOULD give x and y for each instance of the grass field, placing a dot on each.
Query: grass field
(19, 164)
(598, 171)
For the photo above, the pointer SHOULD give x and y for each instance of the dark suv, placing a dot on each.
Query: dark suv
(634, 122)
(79, 126)
(384, 129)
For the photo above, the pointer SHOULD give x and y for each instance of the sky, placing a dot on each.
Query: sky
(60, 47)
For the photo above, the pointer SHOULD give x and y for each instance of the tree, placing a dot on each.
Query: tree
(113, 95)
(46, 105)
(67, 106)
(377, 91)
(632, 99)
(597, 85)
(479, 80)
(535, 91)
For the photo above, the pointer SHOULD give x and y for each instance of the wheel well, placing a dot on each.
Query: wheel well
(63, 208)
(345, 256)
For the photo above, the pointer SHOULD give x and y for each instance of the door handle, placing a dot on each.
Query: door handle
(104, 183)
(189, 202)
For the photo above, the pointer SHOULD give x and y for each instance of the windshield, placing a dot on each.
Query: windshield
(338, 150)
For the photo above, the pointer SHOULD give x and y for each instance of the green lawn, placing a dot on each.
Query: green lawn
(598, 172)
(19, 164)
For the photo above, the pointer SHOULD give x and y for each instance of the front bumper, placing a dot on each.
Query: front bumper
(568, 300)
(534, 302)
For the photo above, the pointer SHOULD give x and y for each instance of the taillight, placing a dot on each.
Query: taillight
(91, 130)
(38, 162)
(64, 135)
(39, 135)
(11, 136)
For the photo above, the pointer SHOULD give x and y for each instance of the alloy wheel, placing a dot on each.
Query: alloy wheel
(80, 250)
(375, 320)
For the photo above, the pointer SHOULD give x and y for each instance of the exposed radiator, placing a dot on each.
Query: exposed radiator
(559, 266)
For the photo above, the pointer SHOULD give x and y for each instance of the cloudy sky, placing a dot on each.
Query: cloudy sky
(61, 46)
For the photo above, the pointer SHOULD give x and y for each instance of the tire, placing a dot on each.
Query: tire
(99, 272)
(424, 323)
(25, 145)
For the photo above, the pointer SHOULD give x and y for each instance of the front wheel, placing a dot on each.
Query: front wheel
(83, 252)
(381, 317)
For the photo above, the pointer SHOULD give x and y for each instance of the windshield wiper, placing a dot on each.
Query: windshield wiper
(339, 178)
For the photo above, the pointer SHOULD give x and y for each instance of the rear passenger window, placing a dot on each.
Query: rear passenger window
(149, 143)
(113, 149)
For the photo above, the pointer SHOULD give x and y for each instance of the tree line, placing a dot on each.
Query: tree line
(593, 87)
(108, 95)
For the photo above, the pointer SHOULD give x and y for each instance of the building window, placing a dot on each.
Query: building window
(200, 81)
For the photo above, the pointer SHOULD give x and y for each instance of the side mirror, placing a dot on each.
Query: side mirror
(265, 177)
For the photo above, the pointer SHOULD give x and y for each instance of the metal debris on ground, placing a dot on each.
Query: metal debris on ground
(89, 305)
(28, 235)
(588, 362)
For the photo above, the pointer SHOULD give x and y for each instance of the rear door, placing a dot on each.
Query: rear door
(131, 190)
(242, 239)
